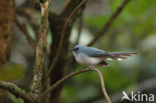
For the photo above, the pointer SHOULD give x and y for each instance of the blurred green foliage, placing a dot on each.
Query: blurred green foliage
(12, 72)
(133, 30)
(15, 100)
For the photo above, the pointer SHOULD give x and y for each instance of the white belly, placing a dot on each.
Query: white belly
(83, 59)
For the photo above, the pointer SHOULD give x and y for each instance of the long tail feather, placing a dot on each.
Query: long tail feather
(119, 55)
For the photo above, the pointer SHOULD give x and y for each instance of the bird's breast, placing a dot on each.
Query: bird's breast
(83, 59)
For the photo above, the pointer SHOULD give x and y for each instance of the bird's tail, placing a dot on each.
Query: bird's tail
(119, 55)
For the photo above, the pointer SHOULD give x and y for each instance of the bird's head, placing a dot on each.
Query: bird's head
(77, 49)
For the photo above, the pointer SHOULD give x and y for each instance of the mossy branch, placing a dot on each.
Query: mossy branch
(36, 85)
(12, 88)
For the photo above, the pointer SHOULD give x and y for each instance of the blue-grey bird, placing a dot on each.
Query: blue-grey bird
(89, 56)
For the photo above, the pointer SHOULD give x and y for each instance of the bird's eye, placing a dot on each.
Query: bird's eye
(76, 49)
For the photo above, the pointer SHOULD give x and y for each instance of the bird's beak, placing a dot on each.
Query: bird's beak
(71, 49)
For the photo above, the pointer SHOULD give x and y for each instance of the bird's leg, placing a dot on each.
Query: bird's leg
(91, 66)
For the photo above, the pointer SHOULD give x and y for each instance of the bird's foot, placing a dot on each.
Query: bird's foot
(91, 66)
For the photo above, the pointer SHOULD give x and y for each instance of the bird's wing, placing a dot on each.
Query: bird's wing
(93, 52)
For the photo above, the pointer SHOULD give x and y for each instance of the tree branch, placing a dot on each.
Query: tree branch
(36, 85)
(25, 32)
(147, 86)
(62, 37)
(12, 88)
(102, 85)
(67, 2)
(108, 23)
(70, 5)
(80, 25)
(7, 8)
(79, 72)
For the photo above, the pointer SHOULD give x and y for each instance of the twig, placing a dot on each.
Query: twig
(66, 5)
(36, 85)
(109, 23)
(25, 32)
(35, 27)
(79, 29)
(147, 86)
(103, 85)
(62, 37)
(75, 73)
(12, 88)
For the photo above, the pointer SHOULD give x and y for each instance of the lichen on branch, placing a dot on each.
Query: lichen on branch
(12, 88)
(36, 85)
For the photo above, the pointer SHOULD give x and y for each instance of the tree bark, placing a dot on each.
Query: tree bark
(6, 28)
(56, 26)
(6, 32)
(59, 69)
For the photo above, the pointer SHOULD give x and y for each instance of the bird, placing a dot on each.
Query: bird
(89, 56)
